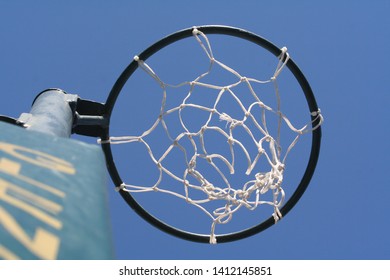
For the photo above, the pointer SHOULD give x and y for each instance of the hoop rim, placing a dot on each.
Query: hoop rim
(170, 39)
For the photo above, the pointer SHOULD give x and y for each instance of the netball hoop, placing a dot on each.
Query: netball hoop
(208, 128)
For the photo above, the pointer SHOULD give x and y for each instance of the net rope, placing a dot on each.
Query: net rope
(250, 194)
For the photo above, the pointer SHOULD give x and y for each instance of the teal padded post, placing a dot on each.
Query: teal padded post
(53, 200)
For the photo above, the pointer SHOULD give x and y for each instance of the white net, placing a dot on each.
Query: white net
(252, 122)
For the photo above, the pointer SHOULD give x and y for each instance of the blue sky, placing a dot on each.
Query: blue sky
(342, 47)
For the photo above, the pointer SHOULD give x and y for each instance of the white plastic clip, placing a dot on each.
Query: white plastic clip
(195, 31)
(316, 113)
(121, 187)
(100, 141)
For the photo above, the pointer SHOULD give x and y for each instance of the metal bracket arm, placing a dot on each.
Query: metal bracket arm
(89, 118)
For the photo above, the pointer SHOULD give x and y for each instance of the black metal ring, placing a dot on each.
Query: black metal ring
(235, 32)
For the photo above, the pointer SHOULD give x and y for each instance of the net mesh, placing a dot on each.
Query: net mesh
(233, 197)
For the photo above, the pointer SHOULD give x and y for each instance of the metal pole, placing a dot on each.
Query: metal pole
(52, 113)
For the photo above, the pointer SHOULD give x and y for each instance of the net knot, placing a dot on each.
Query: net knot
(211, 191)
(242, 194)
(261, 179)
(192, 164)
(280, 167)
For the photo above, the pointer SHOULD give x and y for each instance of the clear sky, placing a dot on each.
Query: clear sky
(341, 46)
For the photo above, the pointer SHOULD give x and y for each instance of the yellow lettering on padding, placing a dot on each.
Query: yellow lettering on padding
(25, 200)
(9, 166)
(6, 254)
(44, 244)
(38, 158)
(13, 168)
